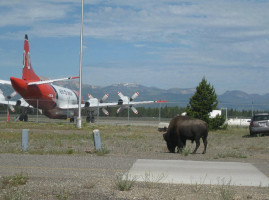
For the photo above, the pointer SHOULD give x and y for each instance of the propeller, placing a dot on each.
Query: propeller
(100, 101)
(104, 98)
(12, 95)
(134, 110)
(105, 111)
(134, 96)
(126, 100)
(3, 98)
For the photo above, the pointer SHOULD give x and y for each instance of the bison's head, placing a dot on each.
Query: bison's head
(171, 146)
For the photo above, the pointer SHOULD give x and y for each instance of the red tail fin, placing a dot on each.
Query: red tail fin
(28, 73)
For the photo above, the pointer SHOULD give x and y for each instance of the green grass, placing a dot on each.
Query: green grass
(102, 152)
(185, 151)
(45, 138)
(230, 154)
(60, 138)
(124, 182)
(14, 181)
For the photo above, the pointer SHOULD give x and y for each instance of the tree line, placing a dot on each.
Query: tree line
(164, 111)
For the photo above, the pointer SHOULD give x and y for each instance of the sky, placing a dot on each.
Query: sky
(160, 43)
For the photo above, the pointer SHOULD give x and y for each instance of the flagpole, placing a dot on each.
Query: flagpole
(80, 69)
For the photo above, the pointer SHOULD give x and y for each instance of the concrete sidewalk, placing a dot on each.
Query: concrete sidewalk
(198, 172)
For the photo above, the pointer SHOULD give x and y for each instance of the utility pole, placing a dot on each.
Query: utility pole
(80, 69)
(252, 109)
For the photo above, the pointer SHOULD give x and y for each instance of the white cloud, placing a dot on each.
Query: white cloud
(207, 37)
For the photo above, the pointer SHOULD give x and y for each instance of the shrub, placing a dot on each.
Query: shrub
(217, 122)
(124, 182)
(14, 181)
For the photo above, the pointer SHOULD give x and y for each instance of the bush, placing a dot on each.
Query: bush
(124, 182)
(216, 123)
(14, 181)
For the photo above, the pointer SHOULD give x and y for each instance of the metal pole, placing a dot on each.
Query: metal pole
(252, 109)
(98, 111)
(37, 110)
(8, 112)
(80, 69)
(128, 113)
(97, 140)
(24, 140)
(159, 112)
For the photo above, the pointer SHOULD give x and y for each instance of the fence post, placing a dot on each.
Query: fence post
(37, 110)
(24, 139)
(159, 112)
(97, 140)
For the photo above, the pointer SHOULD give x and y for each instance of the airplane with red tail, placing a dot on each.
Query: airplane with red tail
(54, 101)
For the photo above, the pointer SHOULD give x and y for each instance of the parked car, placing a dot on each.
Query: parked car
(259, 124)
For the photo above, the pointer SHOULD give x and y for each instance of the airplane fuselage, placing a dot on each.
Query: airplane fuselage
(48, 97)
(58, 102)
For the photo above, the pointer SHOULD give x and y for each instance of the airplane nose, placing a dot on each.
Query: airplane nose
(18, 84)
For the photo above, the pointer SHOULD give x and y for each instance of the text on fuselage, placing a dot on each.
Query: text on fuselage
(68, 93)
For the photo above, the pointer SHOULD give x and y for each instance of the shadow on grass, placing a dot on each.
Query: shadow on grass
(256, 135)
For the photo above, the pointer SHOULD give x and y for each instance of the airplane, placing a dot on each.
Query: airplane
(54, 101)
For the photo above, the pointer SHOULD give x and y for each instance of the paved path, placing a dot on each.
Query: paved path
(198, 172)
(166, 171)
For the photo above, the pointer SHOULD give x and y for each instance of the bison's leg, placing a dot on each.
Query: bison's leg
(171, 147)
(197, 141)
(181, 144)
(205, 144)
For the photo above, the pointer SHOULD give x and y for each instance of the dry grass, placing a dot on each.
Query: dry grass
(138, 141)
(232, 144)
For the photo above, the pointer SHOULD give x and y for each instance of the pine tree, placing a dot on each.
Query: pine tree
(202, 102)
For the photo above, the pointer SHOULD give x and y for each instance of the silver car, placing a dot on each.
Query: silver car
(259, 124)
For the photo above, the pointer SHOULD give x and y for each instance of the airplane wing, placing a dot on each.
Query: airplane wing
(7, 102)
(5, 82)
(132, 103)
(40, 82)
(51, 81)
(21, 102)
(12, 103)
(113, 104)
(100, 105)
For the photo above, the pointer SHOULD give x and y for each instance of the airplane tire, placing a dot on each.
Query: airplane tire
(21, 118)
(88, 119)
(72, 120)
(25, 118)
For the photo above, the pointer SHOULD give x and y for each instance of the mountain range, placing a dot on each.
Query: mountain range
(235, 99)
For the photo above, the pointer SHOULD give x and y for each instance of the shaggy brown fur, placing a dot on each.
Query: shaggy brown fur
(182, 128)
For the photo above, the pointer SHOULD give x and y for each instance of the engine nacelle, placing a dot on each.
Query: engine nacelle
(18, 103)
(87, 104)
(120, 102)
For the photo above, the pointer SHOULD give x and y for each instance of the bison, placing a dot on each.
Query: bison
(182, 128)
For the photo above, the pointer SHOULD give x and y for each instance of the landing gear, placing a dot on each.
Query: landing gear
(72, 120)
(24, 115)
(25, 118)
(90, 117)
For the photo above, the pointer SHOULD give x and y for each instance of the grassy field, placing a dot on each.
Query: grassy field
(232, 144)
(44, 138)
